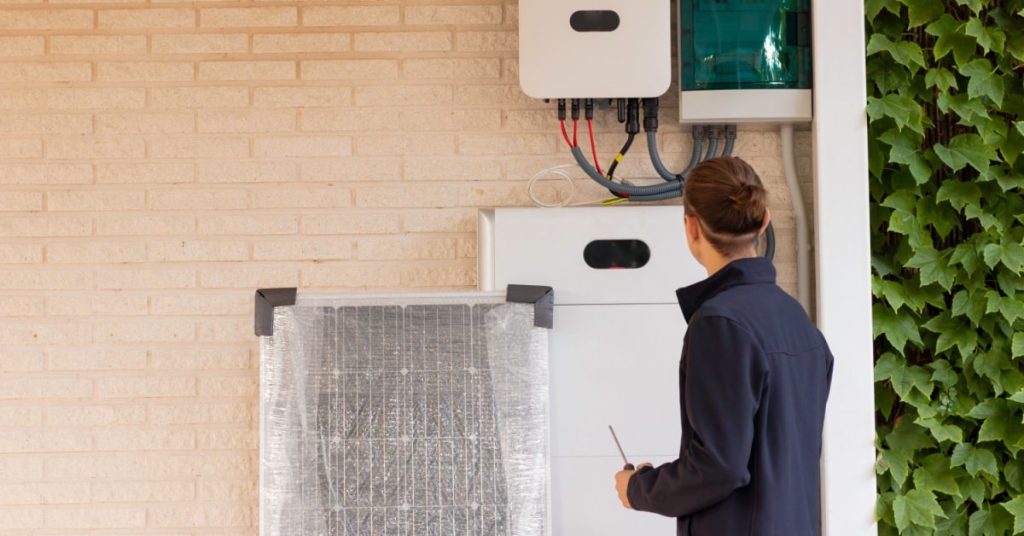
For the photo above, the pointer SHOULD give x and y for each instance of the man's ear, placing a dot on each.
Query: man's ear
(767, 220)
(693, 230)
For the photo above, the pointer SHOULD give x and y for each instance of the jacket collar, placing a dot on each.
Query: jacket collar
(739, 272)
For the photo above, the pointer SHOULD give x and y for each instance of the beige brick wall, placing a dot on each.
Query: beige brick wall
(159, 160)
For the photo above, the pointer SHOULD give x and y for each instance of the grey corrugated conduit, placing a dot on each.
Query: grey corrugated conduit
(659, 165)
(626, 189)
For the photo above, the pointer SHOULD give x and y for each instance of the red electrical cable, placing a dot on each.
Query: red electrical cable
(575, 128)
(593, 146)
(565, 134)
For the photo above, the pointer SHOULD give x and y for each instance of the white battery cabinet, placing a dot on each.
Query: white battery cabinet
(615, 346)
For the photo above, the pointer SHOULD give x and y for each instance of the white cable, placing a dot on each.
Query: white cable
(803, 245)
(557, 171)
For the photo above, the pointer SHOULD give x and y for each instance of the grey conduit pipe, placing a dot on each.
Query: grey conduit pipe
(625, 189)
(659, 165)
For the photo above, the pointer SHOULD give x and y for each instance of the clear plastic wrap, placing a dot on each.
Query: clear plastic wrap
(404, 419)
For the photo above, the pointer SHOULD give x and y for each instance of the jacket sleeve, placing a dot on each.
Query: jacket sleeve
(724, 373)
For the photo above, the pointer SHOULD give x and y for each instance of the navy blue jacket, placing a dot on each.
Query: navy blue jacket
(753, 381)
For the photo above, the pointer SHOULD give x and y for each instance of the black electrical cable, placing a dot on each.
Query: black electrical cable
(622, 154)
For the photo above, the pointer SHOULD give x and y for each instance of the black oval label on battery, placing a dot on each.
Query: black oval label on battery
(595, 21)
(617, 254)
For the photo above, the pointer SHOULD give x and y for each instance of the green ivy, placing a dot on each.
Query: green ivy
(947, 182)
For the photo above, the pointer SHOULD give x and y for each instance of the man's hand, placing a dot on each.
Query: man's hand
(622, 484)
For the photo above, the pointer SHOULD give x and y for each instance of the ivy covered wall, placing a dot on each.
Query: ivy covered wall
(947, 182)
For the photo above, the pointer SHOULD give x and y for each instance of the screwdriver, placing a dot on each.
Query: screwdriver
(628, 466)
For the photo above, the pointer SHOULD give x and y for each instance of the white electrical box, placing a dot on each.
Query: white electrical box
(615, 346)
(586, 49)
(746, 106)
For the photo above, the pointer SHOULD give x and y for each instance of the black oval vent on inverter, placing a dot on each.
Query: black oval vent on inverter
(617, 254)
(595, 21)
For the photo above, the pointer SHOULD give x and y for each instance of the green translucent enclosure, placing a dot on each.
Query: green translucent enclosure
(745, 44)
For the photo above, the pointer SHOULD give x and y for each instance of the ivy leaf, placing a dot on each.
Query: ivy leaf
(959, 194)
(964, 304)
(975, 460)
(895, 462)
(934, 474)
(991, 365)
(984, 82)
(940, 78)
(943, 372)
(966, 255)
(1013, 471)
(897, 328)
(966, 149)
(903, 110)
(1017, 347)
(970, 110)
(905, 53)
(975, 5)
(923, 11)
(989, 38)
(873, 7)
(1011, 309)
(1016, 508)
(952, 333)
(917, 507)
(943, 432)
(905, 148)
(986, 522)
(934, 267)
(972, 489)
(950, 37)
(1010, 255)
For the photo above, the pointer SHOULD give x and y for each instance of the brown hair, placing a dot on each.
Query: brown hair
(727, 197)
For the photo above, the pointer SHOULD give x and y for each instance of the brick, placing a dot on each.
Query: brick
(276, 224)
(248, 276)
(307, 249)
(349, 70)
(146, 278)
(454, 120)
(19, 416)
(46, 72)
(201, 413)
(198, 199)
(352, 169)
(48, 19)
(201, 515)
(21, 518)
(536, 120)
(30, 389)
(404, 248)
(447, 275)
(404, 144)
(96, 252)
(141, 440)
(43, 123)
(89, 148)
(409, 196)
(201, 43)
(291, 43)
(145, 123)
(247, 70)
(350, 16)
(199, 147)
(351, 276)
(229, 387)
(144, 71)
(21, 306)
(148, 386)
(453, 15)
(147, 19)
(511, 14)
(223, 490)
(97, 304)
(98, 45)
(78, 99)
(21, 148)
(452, 169)
(51, 225)
(509, 144)
(97, 358)
(447, 69)
(132, 225)
(145, 173)
(23, 98)
(44, 441)
(296, 197)
(492, 95)
(99, 200)
(22, 359)
(225, 330)
(48, 174)
(275, 121)
(351, 222)
(220, 358)
(302, 97)
(95, 415)
(487, 41)
(131, 492)
(21, 201)
(197, 251)
(13, 47)
(19, 468)
(349, 120)
(291, 147)
(148, 465)
(96, 518)
(494, 194)
(205, 304)
(46, 279)
(230, 439)
(198, 97)
(27, 493)
(404, 95)
(403, 42)
(248, 17)
(247, 172)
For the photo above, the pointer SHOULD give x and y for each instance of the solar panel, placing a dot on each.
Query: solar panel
(404, 419)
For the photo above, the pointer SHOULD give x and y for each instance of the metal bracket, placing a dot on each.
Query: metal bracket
(266, 300)
(542, 298)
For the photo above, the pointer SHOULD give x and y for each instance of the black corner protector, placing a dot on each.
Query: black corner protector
(266, 300)
(542, 298)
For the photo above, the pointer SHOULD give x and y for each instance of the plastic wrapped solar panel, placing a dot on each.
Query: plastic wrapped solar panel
(426, 417)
